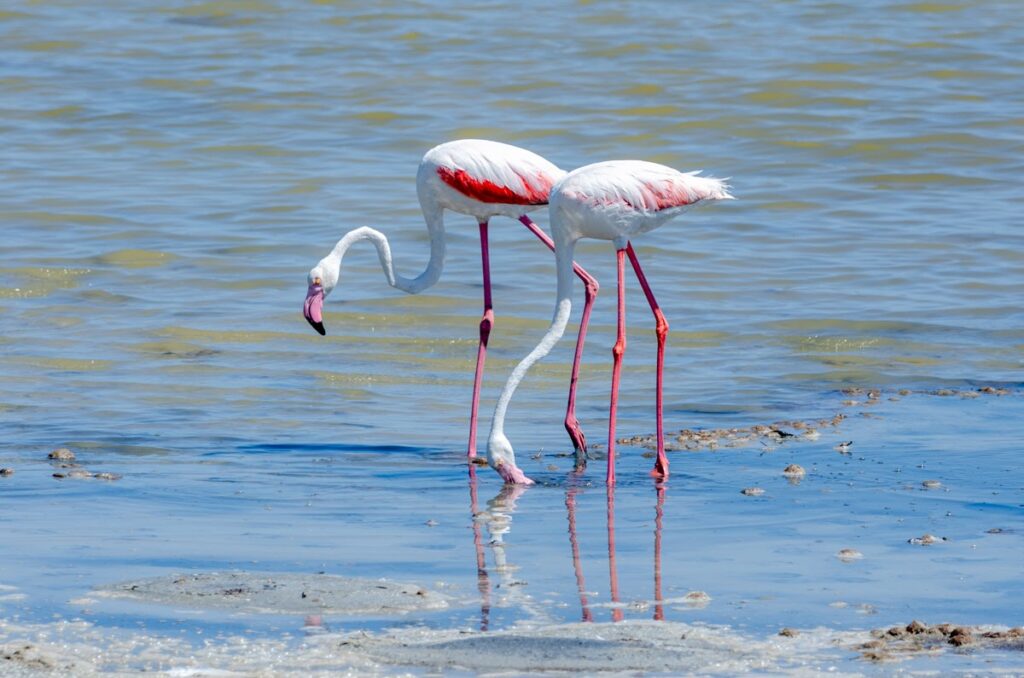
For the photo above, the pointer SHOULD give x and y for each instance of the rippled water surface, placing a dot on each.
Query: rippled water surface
(170, 172)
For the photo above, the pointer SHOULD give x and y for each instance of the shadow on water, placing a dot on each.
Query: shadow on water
(302, 448)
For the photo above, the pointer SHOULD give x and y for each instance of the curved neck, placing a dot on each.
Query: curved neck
(563, 308)
(435, 226)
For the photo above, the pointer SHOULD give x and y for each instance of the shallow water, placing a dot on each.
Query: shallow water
(171, 172)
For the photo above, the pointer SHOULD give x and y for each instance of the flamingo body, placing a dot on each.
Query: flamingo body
(625, 198)
(483, 179)
(614, 201)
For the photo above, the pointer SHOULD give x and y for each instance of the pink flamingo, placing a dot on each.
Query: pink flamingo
(483, 179)
(609, 201)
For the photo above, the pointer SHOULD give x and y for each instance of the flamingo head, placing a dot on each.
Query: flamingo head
(502, 459)
(320, 285)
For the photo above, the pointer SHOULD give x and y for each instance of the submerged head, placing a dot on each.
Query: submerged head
(502, 459)
(321, 282)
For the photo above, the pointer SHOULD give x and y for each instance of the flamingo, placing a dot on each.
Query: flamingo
(614, 201)
(483, 179)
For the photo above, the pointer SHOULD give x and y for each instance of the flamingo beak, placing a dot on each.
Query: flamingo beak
(313, 307)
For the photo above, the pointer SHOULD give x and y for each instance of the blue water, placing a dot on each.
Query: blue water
(171, 173)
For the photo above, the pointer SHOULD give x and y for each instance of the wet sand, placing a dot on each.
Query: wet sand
(281, 593)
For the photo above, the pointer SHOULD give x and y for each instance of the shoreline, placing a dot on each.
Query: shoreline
(612, 648)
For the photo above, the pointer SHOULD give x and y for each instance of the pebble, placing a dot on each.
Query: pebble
(960, 636)
(697, 598)
(794, 471)
(789, 633)
(991, 390)
(82, 473)
(61, 454)
(843, 448)
(846, 555)
(752, 491)
(931, 484)
(74, 473)
(712, 439)
(925, 540)
(917, 637)
(6, 472)
(431, 523)
(916, 627)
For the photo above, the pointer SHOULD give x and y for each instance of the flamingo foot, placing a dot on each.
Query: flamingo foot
(579, 442)
(660, 470)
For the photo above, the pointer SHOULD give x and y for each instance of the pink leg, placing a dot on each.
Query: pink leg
(661, 327)
(617, 351)
(485, 331)
(572, 425)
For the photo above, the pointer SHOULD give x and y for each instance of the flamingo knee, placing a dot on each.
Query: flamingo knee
(661, 326)
(486, 323)
(619, 349)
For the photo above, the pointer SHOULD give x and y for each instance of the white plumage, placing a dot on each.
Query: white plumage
(485, 178)
(480, 178)
(609, 201)
(623, 198)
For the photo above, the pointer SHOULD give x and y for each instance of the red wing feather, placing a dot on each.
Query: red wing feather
(490, 192)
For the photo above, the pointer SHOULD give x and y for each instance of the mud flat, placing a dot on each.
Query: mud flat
(281, 593)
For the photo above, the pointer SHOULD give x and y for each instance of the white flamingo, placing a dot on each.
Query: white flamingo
(609, 201)
(483, 179)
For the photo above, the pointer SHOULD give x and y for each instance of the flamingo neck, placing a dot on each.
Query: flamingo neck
(430, 275)
(499, 450)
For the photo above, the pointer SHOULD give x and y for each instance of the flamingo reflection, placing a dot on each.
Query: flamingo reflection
(483, 582)
(659, 515)
(613, 571)
(497, 519)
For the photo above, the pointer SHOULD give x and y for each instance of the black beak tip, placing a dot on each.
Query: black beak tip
(318, 326)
